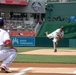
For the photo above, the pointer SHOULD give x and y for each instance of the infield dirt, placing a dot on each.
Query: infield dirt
(50, 52)
(43, 68)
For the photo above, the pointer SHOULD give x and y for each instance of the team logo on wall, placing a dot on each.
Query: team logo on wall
(36, 6)
(15, 40)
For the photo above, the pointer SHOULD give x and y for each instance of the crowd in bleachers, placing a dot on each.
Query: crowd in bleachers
(20, 25)
(67, 18)
(14, 27)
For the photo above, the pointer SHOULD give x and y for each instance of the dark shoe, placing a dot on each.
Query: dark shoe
(5, 70)
(55, 50)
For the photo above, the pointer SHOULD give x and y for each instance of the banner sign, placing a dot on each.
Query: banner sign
(23, 41)
(17, 2)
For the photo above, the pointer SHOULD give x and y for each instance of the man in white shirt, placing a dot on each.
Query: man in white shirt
(56, 35)
(8, 54)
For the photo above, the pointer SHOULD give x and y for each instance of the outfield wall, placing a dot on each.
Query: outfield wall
(41, 42)
(45, 42)
(23, 41)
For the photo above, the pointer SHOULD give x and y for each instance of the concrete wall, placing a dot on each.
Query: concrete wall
(25, 8)
(60, 9)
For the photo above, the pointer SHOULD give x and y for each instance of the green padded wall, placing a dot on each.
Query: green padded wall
(45, 42)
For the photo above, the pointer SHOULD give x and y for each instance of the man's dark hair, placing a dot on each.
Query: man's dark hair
(62, 27)
(1, 21)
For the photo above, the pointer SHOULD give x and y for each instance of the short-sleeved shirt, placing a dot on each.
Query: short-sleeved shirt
(54, 34)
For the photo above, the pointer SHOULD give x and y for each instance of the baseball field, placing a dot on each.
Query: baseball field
(44, 61)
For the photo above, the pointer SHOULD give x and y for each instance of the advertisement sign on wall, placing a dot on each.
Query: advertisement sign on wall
(23, 41)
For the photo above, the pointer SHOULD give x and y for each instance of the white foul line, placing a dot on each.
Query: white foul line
(23, 71)
(14, 69)
(74, 72)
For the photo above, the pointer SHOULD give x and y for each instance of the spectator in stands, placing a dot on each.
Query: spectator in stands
(8, 30)
(22, 16)
(67, 18)
(56, 35)
(11, 14)
(40, 22)
(20, 34)
(11, 26)
(58, 18)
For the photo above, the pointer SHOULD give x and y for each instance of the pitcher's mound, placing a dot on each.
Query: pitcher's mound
(50, 52)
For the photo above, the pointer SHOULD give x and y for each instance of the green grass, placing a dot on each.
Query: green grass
(44, 58)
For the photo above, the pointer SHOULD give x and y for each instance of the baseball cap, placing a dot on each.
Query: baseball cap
(1, 21)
